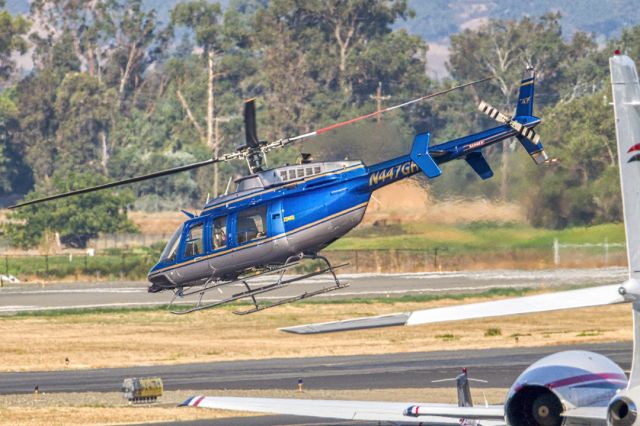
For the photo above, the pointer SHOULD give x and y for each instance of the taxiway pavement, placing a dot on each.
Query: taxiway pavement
(499, 367)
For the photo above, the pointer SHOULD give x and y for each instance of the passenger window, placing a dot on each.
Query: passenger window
(252, 224)
(283, 175)
(219, 232)
(316, 170)
(193, 246)
(309, 171)
(300, 173)
(292, 174)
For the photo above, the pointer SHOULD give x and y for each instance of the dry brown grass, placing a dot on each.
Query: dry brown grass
(140, 338)
(407, 201)
(403, 202)
(157, 222)
(109, 408)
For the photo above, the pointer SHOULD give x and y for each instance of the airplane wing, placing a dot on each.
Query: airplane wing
(587, 297)
(428, 414)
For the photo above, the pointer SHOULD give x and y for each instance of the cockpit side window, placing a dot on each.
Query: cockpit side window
(252, 224)
(219, 232)
(171, 249)
(194, 242)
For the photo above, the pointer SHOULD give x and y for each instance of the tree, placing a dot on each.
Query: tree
(75, 219)
(583, 188)
(503, 49)
(88, 25)
(216, 39)
(83, 108)
(344, 28)
(15, 176)
(321, 62)
(202, 18)
(12, 30)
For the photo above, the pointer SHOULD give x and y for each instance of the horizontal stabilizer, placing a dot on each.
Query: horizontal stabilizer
(479, 164)
(420, 156)
(587, 297)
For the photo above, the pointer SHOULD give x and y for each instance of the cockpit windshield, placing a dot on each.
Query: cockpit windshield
(171, 250)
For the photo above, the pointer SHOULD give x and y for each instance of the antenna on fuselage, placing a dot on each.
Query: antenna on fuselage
(226, 191)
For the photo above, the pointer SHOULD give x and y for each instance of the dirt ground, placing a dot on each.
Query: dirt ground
(156, 337)
(110, 408)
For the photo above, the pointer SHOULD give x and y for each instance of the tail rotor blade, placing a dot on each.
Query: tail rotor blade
(504, 119)
(493, 113)
(250, 129)
(525, 131)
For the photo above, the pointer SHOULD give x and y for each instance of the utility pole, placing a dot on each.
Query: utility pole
(379, 98)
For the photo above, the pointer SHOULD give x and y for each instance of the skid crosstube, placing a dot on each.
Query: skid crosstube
(239, 280)
(252, 292)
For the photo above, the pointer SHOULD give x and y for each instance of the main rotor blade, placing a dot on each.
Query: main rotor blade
(391, 108)
(250, 129)
(121, 182)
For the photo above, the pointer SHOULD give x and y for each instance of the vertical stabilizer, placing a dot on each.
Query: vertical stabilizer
(525, 95)
(626, 100)
(626, 105)
(464, 390)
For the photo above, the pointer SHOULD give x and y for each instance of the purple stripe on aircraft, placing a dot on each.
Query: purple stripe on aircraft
(569, 381)
(634, 158)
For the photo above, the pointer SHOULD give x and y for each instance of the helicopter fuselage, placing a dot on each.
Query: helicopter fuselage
(291, 210)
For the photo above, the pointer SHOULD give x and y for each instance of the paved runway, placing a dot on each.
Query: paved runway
(31, 297)
(499, 367)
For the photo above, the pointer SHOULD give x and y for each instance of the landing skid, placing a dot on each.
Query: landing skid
(252, 292)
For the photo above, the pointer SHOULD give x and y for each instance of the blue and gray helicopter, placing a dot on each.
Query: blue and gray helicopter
(280, 217)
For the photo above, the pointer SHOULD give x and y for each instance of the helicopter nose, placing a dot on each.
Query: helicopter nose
(154, 288)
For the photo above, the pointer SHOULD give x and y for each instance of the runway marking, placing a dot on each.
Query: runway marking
(16, 308)
(71, 291)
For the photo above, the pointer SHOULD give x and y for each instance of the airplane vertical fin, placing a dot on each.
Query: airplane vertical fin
(464, 390)
(626, 101)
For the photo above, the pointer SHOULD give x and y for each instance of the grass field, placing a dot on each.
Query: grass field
(475, 236)
(93, 339)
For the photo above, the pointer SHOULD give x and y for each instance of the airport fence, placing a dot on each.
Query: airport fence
(604, 254)
(77, 267)
(127, 241)
(114, 264)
